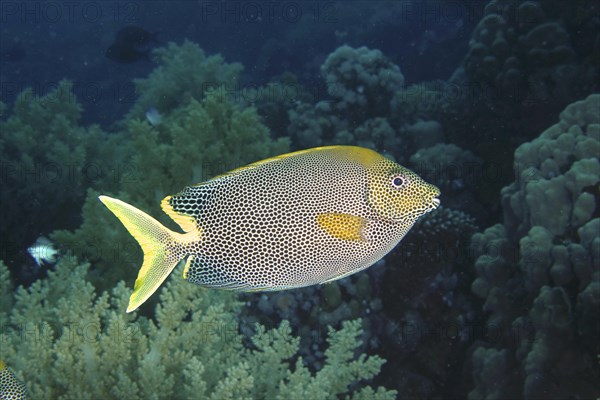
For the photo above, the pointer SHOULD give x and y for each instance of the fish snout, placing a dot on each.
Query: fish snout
(433, 200)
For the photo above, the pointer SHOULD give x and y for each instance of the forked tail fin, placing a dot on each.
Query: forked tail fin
(163, 248)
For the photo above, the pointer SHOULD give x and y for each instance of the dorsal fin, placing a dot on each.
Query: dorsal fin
(359, 154)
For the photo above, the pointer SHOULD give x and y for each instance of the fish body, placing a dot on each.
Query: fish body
(11, 388)
(43, 251)
(153, 116)
(295, 220)
(132, 44)
(136, 36)
(124, 53)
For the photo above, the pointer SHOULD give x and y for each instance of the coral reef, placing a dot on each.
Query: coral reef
(447, 166)
(48, 161)
(317, 306)
(361, 84)
(66, 341)
(313, 125)
(361, 80)
(425, 133)
(184, 72)
(514, 43)
(375, 133)
(526, 60)
(545, 260)
(457, 172)
(510, 312)
(425, 101)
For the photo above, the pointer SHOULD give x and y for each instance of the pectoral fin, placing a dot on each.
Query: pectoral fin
(343, 226)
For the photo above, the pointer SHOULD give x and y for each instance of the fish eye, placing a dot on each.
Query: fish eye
(397, 181)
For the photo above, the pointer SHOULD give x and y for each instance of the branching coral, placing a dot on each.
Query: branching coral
(184, 72)
(66, 341)
(48, 161)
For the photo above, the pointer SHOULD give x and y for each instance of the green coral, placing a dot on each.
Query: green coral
(545, 258)
(515, 42)
(374, 133)
(488, 364)
(48, 161)
(556, 173)
(6, 298)
(184, 72)
(361, 83)
(68, 342)
(425, 101)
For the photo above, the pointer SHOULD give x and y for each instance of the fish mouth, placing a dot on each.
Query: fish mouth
(435, 203)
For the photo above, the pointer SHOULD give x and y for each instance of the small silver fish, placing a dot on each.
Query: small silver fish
(43, 251)
(153, 116)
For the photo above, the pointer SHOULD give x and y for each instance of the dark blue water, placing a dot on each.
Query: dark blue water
(56, 41)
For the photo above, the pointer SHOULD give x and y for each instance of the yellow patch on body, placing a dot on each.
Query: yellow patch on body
(342, 226)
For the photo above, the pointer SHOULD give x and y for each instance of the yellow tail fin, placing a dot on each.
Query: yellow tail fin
(163, 248)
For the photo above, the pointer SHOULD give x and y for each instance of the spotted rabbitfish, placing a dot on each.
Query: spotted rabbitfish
(11, 388)
(298, 219)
